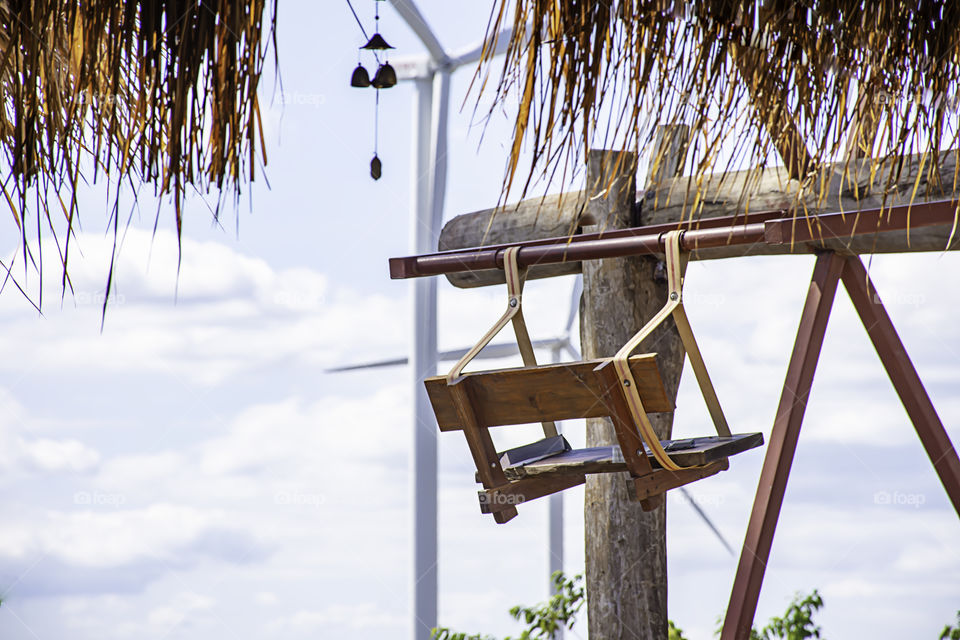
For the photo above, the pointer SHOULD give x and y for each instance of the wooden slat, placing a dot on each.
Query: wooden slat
(549, 392)
(627, 432)
(610, 459)
(481, 447)
(509, 496)
(662, 480)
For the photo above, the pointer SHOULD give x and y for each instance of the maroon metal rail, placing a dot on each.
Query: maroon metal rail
(768, 227)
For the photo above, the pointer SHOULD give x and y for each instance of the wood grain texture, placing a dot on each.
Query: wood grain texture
(610, 459)
(626, 563)
(530, 219)
(547, 392)
(848, 188)
(624, 427)
(481, 448)
(510, 495)
(663, 480)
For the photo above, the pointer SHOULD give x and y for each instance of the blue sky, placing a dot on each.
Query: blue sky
(192, 472)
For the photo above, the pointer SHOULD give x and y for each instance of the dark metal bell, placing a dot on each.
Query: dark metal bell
(385, 77)
(376, 43)
(376, 168)
(360, 77)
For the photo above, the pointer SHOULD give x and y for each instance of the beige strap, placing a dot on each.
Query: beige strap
(515, 279)
(676, 266)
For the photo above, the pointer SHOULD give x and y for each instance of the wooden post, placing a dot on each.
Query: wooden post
(626, 560)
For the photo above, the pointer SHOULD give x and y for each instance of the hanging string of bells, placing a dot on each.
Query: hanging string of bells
(384, 78)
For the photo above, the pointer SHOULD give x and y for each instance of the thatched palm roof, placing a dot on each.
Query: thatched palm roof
(162, 92)
(811, 81)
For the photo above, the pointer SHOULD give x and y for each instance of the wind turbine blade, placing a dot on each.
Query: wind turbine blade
(572, 351)
(499, 350)
(368, 365)
(415, 20)
(575, 301)
(549, 343)
(491, 351)
(471, 54)
(706, 519)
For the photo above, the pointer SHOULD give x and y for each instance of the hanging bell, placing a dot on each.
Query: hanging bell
(385, 77)
(376, 43)
(376, 168)
(360, 77)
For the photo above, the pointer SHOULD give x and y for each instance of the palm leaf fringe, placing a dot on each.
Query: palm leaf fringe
(832, 87)
(162, 92)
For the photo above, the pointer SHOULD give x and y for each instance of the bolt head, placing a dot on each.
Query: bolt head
(626, 383)
(674, 295)
(513, 302)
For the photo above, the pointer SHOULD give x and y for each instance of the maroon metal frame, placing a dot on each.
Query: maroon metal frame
(781, 448)
(769, 227)
(830, 269)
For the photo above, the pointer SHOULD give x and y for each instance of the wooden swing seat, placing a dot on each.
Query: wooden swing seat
(585, 389)
(689, 452)
(625, 388)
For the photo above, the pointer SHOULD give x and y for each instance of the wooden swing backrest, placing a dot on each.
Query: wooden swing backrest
(544, 393)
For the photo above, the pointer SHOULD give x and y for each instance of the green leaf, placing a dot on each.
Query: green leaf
(673, 632)
(542, 620)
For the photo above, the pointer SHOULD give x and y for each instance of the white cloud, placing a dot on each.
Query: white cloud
(226, 314)
(23, 449)
(357, 617)
(59, 455)
(184, 606)
(104, 539)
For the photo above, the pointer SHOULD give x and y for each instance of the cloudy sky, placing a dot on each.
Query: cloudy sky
(192, 472)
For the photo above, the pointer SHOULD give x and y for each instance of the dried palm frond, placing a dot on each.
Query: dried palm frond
(162, 92)
(817, 82)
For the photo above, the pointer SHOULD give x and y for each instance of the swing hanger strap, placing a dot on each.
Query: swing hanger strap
(515, 277)
(676, 261)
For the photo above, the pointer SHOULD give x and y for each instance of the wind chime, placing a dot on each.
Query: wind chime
(384, 78)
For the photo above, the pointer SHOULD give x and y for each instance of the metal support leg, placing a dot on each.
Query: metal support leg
(904, 377)
(783, 445)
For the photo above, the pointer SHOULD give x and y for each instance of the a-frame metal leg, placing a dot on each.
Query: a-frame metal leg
(780, 451)
(904, 377)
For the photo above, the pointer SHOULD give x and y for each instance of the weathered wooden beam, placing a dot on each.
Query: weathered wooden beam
(733, 193)
(531, 219)
(831, 231)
